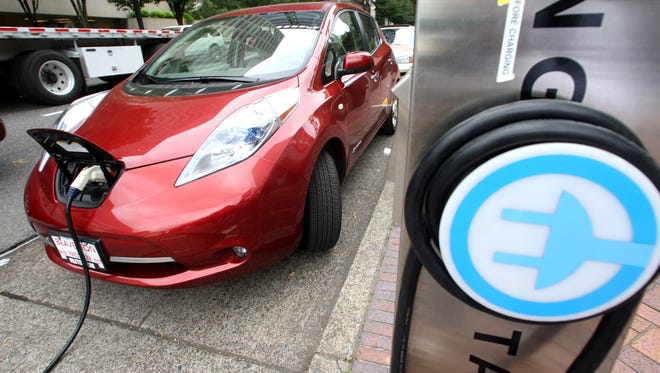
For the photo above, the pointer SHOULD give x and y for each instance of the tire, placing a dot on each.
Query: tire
(48, 77)
(389, 127)
(322, 221)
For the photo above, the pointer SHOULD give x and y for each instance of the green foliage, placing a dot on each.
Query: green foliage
(179, 8)
(395, 11)
(154, 13)
(213, 7)
(128, 4)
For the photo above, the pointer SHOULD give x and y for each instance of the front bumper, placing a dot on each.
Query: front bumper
(255, 204)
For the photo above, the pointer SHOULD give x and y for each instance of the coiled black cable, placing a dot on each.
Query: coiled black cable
(465, 147)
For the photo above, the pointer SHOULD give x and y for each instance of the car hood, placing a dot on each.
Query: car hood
(143, 130)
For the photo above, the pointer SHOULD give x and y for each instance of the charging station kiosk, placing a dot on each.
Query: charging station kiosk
(526, 171)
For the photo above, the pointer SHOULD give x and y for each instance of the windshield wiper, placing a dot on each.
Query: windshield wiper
(149, 78)
(211, 78)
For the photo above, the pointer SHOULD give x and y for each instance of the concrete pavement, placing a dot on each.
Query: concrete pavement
(356, 337)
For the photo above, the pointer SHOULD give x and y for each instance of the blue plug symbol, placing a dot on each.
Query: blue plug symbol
(570, 243)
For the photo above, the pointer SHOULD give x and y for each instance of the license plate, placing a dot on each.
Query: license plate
(91, 249)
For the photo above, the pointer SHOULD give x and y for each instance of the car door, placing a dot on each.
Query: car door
(357, 96)
(384, 73)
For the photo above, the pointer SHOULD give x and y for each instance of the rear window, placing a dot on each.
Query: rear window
(371, 30)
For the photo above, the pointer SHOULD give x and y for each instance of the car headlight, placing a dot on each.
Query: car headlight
(74, 116)
(241, 134)
(78, 112)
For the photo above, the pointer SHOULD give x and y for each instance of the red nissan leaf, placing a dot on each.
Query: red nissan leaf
(222, 154)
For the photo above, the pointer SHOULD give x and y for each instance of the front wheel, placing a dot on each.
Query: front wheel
(322, 222)
(48, 77)
(389, 127)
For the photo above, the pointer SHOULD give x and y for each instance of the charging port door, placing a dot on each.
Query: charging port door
(72, 154)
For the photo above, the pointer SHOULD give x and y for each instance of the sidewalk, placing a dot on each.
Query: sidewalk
(640, 352)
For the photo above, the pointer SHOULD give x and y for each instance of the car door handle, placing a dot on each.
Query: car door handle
(375, 76)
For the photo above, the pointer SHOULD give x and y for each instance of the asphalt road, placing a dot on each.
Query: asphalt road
(275, 320)
(18, 154)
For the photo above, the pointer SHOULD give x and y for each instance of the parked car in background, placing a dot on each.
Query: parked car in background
(402, 41)
(212, 166)
(211, 43)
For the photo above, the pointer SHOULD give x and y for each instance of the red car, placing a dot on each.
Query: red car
(213, 165)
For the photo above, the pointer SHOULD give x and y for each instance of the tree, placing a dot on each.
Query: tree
(30, 10)
(395, 11)
(130, 4)
(134, 5)
(178, 7)
(212, 7)
(80, 7)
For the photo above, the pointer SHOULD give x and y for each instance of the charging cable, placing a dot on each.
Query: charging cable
(87, 175)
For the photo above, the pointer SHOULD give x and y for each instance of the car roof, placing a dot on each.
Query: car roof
(397, 26)
(177, 27)
(318, 6)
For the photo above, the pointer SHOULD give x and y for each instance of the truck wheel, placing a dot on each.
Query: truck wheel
(322, 222)
(48, 77)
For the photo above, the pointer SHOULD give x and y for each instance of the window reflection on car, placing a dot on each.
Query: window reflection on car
(255, 46)
(180, 28)
(210, 43)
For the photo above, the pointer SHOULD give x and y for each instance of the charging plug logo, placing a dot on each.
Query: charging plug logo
(552, 232)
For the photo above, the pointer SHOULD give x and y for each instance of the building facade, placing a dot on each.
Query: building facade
(101, 14)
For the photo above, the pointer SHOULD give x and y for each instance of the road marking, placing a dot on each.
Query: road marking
(29, 241)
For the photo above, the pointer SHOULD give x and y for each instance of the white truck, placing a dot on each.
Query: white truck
(50, 65)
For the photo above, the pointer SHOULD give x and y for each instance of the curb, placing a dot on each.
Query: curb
(338, 344)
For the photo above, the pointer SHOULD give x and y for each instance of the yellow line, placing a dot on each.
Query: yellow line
(502, 2)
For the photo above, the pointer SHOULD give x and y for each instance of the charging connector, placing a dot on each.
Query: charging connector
(87, 175)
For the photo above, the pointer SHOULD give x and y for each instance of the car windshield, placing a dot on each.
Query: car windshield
(245, 48)
(404, 36)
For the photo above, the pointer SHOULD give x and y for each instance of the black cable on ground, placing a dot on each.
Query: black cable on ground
(404, 311)
(88, 288)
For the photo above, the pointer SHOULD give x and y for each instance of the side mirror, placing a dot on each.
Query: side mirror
(353, 63)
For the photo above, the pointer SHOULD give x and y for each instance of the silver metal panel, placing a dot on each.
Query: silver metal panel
(457, 54)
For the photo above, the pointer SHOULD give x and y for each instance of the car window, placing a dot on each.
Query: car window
(403, 36)
(255, 46)
(371, 31)
(345, 37)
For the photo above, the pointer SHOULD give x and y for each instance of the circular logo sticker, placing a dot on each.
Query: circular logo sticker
(552, 232)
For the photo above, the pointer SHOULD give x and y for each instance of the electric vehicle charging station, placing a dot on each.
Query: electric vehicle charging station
(526, 171)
